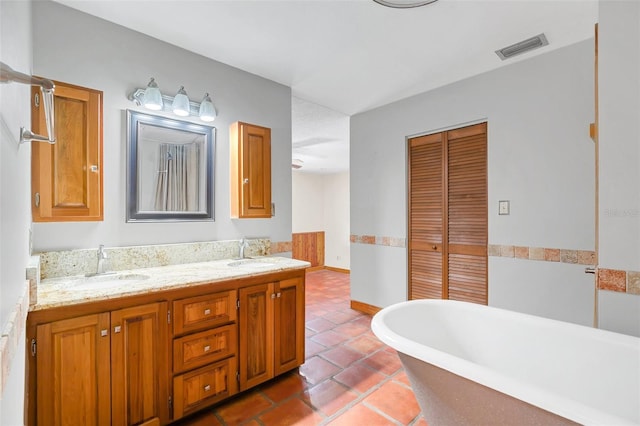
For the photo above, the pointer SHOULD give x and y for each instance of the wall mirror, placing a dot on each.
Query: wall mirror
(169, 169)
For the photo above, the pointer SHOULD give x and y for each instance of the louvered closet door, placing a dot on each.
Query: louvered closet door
(467, 214)
(426, 203)
(448, 197)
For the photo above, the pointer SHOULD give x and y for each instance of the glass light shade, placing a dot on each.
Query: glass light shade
(152, 96)
(404, 4)
(181, 103)
(207, 110)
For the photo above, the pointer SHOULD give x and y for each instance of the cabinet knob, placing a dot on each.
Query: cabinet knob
(245, 181)
(207, 311)
(207, 388)
(94, 169)
(104, 332)
(435, 247)
(207, 348)
(273, 295)
(278, 294)
(117, 329)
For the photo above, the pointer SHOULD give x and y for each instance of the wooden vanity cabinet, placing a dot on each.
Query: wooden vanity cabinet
(154, 358)
(250, 166)
(103, 369)
(271, 330)
(204, 360)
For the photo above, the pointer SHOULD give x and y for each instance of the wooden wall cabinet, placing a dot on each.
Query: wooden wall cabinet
(66, 177)
(271, 330)
(250, 148)
(103, 369)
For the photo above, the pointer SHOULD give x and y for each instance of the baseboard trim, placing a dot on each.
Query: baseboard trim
(342, 271)
(315, 268)
(365, 307)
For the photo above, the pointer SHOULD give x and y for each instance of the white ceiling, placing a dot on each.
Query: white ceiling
(350, 55)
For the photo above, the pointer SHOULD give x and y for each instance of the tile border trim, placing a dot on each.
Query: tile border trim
(545, 254)
(10, 335)
(618, 280)
(378, 240)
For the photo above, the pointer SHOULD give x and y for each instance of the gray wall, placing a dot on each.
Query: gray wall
(77, 48)
(15, 216)
(540, 157)
(619, 156)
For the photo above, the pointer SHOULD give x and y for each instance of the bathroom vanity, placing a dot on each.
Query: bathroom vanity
(149, 346)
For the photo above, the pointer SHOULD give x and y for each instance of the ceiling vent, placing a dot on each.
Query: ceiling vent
(522, 46)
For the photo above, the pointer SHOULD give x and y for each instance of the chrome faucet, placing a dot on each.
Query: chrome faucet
(243, 244)
(102, 260)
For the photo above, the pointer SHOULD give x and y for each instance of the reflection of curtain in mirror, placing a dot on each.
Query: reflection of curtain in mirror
(177, 182)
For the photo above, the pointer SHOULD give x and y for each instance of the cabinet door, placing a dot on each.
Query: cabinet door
(66, 177)
(73, 372)
(289, 325)
(250, 171)
(256, 334)
(140, 371)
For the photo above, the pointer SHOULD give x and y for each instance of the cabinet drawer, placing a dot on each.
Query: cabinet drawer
(204, 386)
(196, 350)
(198, 313)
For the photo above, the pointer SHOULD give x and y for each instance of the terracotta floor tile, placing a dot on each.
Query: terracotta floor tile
(243, 407)
(402, 378)
(421, 422)
(396, 401)
(329, 397)
(359, 377)
(361, 416)
(351, 329)
(329, 338)
(383, 362)
(312, 348)
(292, 412)
(342, 356)
(365, 344)
(283, 387)
(317, 369)
(338, 317)
(319, 324)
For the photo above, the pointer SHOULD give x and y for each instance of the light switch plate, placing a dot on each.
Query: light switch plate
(503, 207)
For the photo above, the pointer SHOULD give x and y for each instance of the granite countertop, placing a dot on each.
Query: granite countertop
(71, 290)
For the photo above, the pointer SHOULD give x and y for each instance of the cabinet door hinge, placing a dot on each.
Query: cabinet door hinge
(37, 199)
(170, 404)
(238, 376)
(237, 303)
(169, 317)
(34, 347)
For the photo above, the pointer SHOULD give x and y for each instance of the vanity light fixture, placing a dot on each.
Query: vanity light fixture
(207, 110)
(181, 103)
(404, 4)
(151, 98)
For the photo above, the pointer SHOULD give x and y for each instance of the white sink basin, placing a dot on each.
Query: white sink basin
(107, 280)
(250, 263)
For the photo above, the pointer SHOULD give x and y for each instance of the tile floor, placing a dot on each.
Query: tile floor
(349, 378)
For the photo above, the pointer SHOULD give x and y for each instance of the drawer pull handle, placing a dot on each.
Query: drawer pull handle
(207, 388)
(207, 348)
(207, 311)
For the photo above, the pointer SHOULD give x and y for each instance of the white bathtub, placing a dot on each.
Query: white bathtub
(478, 365)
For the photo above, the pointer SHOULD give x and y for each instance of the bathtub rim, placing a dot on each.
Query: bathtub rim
(534, 395)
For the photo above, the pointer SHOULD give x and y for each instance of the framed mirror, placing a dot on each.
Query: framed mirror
(169, 169)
